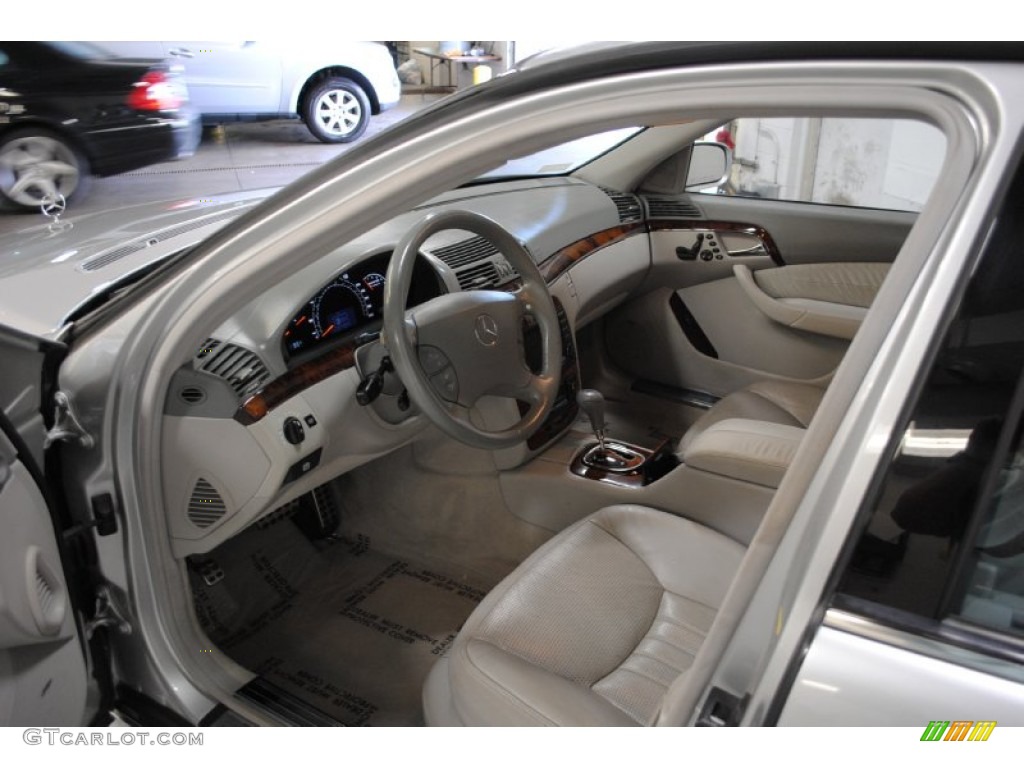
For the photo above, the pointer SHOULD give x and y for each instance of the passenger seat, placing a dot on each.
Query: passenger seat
(779, 402)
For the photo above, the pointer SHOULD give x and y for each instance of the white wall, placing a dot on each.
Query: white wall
(841, 161)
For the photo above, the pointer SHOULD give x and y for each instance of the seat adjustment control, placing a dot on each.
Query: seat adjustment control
(690, 254)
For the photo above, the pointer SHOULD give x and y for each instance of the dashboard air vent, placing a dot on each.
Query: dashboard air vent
(466, 252)
(205, 506)
(192, 395)
(240, 368)
(147, 241)
(628, 206)
(671, 208)
(483, 275)
(476, 263)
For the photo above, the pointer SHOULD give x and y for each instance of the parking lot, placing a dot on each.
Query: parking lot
(230, 158)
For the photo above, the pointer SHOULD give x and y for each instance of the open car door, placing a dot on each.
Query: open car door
(43, 656)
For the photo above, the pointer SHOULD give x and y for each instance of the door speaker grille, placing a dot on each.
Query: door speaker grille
(47, 597)
(206, 506)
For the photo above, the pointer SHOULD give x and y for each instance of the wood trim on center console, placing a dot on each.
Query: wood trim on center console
(290, 383)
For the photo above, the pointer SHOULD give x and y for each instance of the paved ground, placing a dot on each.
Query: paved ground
(237, 157)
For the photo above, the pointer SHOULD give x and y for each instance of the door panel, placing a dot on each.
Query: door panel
(808, 233)
(43, 679)
(697, 326)
(42, 665)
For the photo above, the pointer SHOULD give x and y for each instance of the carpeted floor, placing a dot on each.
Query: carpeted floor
(349, 630)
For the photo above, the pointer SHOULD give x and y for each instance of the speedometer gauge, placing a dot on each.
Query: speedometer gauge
(341, 306)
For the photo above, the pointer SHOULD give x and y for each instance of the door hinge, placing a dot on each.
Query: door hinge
(66, 426)
(722, 709)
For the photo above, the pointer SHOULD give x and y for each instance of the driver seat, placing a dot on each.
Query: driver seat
(592, 629)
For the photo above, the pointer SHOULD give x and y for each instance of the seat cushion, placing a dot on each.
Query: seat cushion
(779, 402)
(591, 629)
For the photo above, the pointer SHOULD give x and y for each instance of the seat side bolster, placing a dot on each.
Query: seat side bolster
(528, 695)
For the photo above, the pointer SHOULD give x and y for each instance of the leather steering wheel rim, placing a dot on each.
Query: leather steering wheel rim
(459, 325)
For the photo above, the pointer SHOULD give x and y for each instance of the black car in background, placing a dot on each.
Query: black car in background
(68, 110)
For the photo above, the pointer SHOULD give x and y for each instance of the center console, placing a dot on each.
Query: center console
(725, 479)
(614, 462)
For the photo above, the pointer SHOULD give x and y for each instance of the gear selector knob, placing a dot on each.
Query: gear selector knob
(591, 402)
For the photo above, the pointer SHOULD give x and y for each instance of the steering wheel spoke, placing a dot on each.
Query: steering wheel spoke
(466, 345)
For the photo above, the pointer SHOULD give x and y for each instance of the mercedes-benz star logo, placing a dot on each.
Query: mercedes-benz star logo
(53, 205)
(486, 328)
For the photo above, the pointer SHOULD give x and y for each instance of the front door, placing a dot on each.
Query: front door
(43, 677)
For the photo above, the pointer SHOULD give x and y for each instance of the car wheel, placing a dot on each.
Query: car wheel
(337, 111)
(35, 163)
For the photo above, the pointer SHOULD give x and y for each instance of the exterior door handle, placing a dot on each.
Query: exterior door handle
(185, 53)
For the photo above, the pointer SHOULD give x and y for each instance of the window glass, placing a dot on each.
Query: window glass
(869, 163)
(946, 537)
(562, 158)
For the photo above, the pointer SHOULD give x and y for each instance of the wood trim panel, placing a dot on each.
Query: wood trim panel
(657, 463)
(290, 383)
(562, 259)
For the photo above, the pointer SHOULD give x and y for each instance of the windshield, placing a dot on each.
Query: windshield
(562, 158)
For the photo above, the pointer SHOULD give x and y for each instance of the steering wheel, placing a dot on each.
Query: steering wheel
(459, 347)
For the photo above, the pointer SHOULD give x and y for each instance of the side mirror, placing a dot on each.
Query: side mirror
(709, 165)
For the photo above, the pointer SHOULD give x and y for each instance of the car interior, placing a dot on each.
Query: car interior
(350, 512)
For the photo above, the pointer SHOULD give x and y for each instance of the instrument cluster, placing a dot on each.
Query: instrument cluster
(351, 305)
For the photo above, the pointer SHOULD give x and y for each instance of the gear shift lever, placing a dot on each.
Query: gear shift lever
(591, 402)
(608, 456)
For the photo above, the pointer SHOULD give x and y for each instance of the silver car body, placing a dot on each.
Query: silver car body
(780, 644)
(249, 78)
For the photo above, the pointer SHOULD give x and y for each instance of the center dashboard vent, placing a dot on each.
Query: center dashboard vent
(241, 368)
(671, 208)
(627, 205)
(476, 263)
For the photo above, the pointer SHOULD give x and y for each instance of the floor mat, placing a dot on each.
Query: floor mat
(346, 629)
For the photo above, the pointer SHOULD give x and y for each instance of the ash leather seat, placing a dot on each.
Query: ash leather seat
(600, 625)
(592, 629)
(787, 403)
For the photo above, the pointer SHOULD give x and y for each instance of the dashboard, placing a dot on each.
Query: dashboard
(269, 408)
(350, 306)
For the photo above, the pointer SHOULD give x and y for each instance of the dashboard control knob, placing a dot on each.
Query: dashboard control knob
(293, 431)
